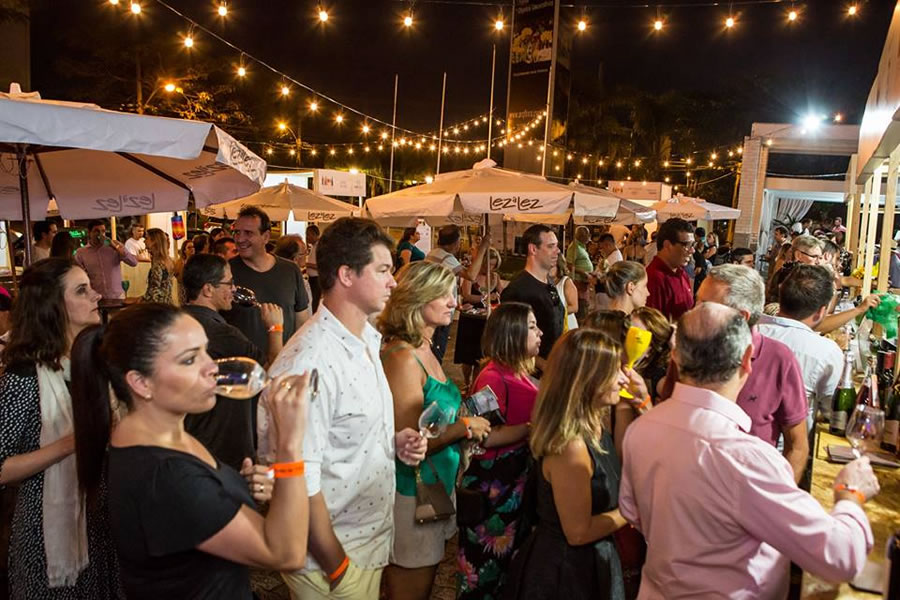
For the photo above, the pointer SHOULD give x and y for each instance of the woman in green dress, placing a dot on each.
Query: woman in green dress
(422, 301)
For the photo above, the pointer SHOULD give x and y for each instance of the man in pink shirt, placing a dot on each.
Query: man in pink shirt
(718, 507)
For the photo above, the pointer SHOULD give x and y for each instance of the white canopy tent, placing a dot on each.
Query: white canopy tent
(628, 213)
(465, 196)
(283, 200)
(693, 209)
(100, 163)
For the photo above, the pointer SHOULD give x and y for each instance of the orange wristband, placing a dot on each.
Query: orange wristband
(465, 422)
(644, 403)
(332, 577)
(859, 495)
(293, 469)
(278, 328)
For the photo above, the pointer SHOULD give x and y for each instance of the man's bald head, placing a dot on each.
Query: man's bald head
(582, 234)
(711, 344)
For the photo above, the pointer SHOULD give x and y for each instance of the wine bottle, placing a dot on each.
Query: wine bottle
(868, 393)
(887, 353)
(892, 568)
(891, 439)
(844, 398)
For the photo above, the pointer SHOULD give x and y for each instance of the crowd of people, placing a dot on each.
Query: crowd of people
(136, 480)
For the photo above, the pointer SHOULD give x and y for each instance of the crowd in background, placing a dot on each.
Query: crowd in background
(575, 485)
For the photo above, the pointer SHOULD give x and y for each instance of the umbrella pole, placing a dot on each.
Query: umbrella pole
(26, 212)
(487, 264)
(12, 257)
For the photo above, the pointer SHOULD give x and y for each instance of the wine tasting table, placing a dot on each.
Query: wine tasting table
(883, 512)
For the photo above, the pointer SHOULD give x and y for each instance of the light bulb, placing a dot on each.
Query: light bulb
(408, 20)
(714, 156)
(429, 179)
(332, 152)
(292, 152)
(637, 163)
(313, 106)
(498, 25)
(792, 16)
(282, 127)
(838, 118)
(365, 148)
(323, 15)
(851, 10)
(339, 118)
(242, 72)
(618, 164)
(313, 152)
(269, 151)
(665, 163)
(365, 129)
(285, 90)
(223, 10)
(688, 160)
(169, 87)
(582, 25)
(114, 2)
(658, 25)
(135, 8)
(189, 41)
(729, 22)
(350, 151)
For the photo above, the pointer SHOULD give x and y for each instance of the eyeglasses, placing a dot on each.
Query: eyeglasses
(554, 295)
(685, 243)
(229, 283)
(816, 257)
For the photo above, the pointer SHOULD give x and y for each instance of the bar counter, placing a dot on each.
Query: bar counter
(883, 512)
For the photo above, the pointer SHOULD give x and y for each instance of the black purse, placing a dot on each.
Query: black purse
(472, 506)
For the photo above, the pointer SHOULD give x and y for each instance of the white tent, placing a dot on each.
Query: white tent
(465, 196)
(100, 163)
(282, 200)
(693, 209)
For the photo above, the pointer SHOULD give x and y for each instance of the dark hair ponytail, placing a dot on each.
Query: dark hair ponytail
(91, 408)
(100, 359)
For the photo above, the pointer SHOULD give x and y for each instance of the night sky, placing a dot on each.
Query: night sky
(825, 61)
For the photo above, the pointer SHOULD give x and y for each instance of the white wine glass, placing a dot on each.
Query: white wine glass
(244, 296)
(865, 429)
(433, 421)
(242, 378)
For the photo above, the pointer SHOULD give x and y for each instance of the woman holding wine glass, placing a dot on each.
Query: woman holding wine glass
(422, 301)
(183, 523)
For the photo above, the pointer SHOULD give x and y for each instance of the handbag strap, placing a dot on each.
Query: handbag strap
(431, 466)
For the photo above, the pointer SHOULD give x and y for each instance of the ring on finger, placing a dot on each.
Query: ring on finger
(286, 385)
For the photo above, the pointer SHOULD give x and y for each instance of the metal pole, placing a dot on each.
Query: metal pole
(21, 156)
(393, 129)
(491, 109)
(441, 128)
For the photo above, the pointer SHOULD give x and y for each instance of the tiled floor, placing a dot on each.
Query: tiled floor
(269, 586)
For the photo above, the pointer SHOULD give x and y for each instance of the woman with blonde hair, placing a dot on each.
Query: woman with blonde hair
(571, 553)
(162, 269)
(423, 300)
(566, 290)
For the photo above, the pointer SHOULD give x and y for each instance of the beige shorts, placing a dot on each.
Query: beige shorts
(357, 584)
(418, 545)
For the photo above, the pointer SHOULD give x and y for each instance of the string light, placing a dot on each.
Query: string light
(223, 10)
(339, 119)
(285, 90)
(323, 14)
(688, 160)
(730, 22)
(242, 71)
(499, 25)
(365, 129)
(282, 126)
(665, 164)
(582, 25)
(408, 20)
(852, 10)
(135, 8)
(269, 151)
(189, 41)
(332, 152)
(169, 87)
(114, 2)
(714, 156)
(658, 25)
(637, 163)
(838, 118)
(313, 152)
(292, 152)
(792, 16)
(429, 179)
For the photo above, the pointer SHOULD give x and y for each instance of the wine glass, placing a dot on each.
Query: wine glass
(125, 285)
(433, 421)
(865, 429)
(244, 296)
(242, 378)
(637, 341)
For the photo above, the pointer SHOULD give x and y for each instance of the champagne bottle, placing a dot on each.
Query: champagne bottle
(891, 439)
(844, 398)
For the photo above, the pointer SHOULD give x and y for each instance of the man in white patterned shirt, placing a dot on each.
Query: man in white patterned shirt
(350, 442)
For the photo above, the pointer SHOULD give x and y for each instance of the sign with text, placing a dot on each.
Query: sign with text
(652, 191)
(340, 183)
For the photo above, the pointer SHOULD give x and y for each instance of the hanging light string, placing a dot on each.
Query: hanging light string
(463, 125)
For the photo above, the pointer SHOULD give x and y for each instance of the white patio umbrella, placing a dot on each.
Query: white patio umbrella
(280, 201)
(465, 196)
(628, 213)
(693, 209)
(99, 163)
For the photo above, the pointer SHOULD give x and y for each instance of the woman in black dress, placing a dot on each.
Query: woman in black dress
(57, 549)
(571, 553)
(183, 523)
